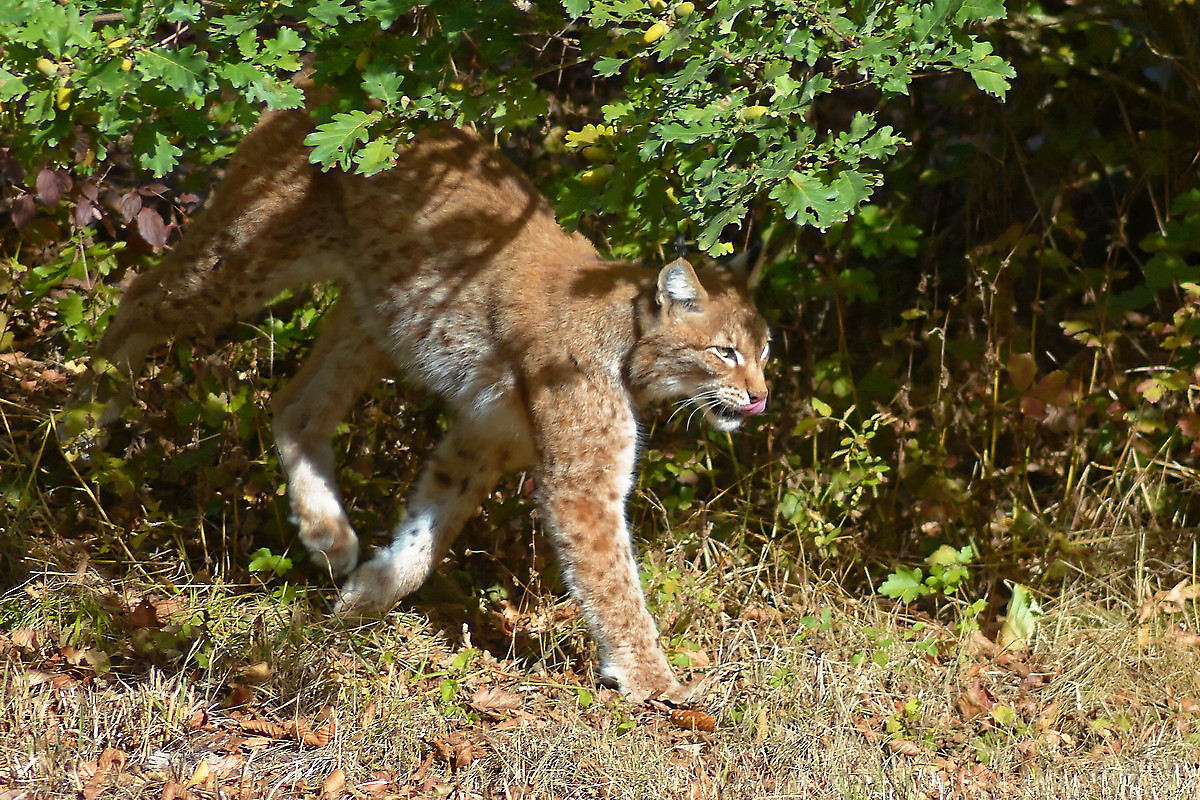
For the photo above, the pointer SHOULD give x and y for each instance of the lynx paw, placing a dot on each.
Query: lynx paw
(372, 589)
(334, 548)
(341, 559)
(648, 684)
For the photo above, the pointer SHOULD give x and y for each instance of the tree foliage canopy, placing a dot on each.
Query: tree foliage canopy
(686, 114)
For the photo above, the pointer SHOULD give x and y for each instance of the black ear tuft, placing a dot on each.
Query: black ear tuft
(678, 286)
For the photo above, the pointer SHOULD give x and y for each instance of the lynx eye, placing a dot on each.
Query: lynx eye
(729, 355)
(766, 351)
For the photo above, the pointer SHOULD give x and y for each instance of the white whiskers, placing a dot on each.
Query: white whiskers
(708, 399)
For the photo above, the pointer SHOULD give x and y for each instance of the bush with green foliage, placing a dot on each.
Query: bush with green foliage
(694, 112)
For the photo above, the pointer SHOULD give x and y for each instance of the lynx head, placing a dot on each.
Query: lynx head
(702, 343)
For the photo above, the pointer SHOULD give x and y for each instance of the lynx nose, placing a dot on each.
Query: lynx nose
(758, 403)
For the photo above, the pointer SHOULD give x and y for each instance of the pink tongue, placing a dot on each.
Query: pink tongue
(757, 407)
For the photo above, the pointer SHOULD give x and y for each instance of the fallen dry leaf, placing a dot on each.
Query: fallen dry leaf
(25, 638)
(1169, 601)
(692, 720)
(144, 615)
(299, 731)
(686, 718)
(975, 700)
(173, 791)
(492, 699)
(198, 719)
(264, 727)
(905, 747)
(456, 749)
(321, 737)
(334, 783)
(257, 672)
(239, 695)
(201, 775)
(97, 771)
(1181, 638)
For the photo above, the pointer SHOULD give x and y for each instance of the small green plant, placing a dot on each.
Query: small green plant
(948, 568)
(264, 561)
(826, 499)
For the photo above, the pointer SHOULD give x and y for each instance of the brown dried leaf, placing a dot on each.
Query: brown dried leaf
(334, 783)
(173, 791)
(975, 700)
(492, 700)
(198, 719)
(239, 695)
(97, 772)
(36, 677)
(25, 638)
(1181, 638)
(111, 757)
(905, 747)
(1169, 601)
(983, 646)
(264, 727)
(321, 737)
(456, 749)
(256, 672)
(144, 615)
(691, 720)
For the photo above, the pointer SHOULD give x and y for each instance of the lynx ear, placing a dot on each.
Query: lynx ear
(678, 285)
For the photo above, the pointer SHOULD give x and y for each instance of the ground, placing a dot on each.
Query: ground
(195, 689)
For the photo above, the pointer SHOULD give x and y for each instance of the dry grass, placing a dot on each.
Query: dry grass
(817, 694)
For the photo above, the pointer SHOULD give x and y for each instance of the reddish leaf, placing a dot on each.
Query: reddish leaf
(23, 211)
(153, 190)
(49, 190)
(129, 206)
(144, 615)
(1056, 389)
(83, 213)
(1033, 408)
(1189, 425)
(692, 720)
(151, 228)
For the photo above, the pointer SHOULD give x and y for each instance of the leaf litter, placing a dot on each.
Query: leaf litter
(295, 704)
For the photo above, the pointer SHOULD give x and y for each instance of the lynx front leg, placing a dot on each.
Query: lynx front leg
(342, 365)
(476, 452)
(588, 437)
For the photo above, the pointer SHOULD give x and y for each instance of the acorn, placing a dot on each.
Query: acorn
(596, 176)
(655, 32)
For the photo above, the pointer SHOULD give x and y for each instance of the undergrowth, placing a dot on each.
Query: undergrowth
(956, 559)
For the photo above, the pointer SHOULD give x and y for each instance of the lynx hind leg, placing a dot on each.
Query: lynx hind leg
(583, 482)
(254, 240)
(343, 364)
(461, 471)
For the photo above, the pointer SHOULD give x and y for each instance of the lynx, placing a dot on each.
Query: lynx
(453, 269)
